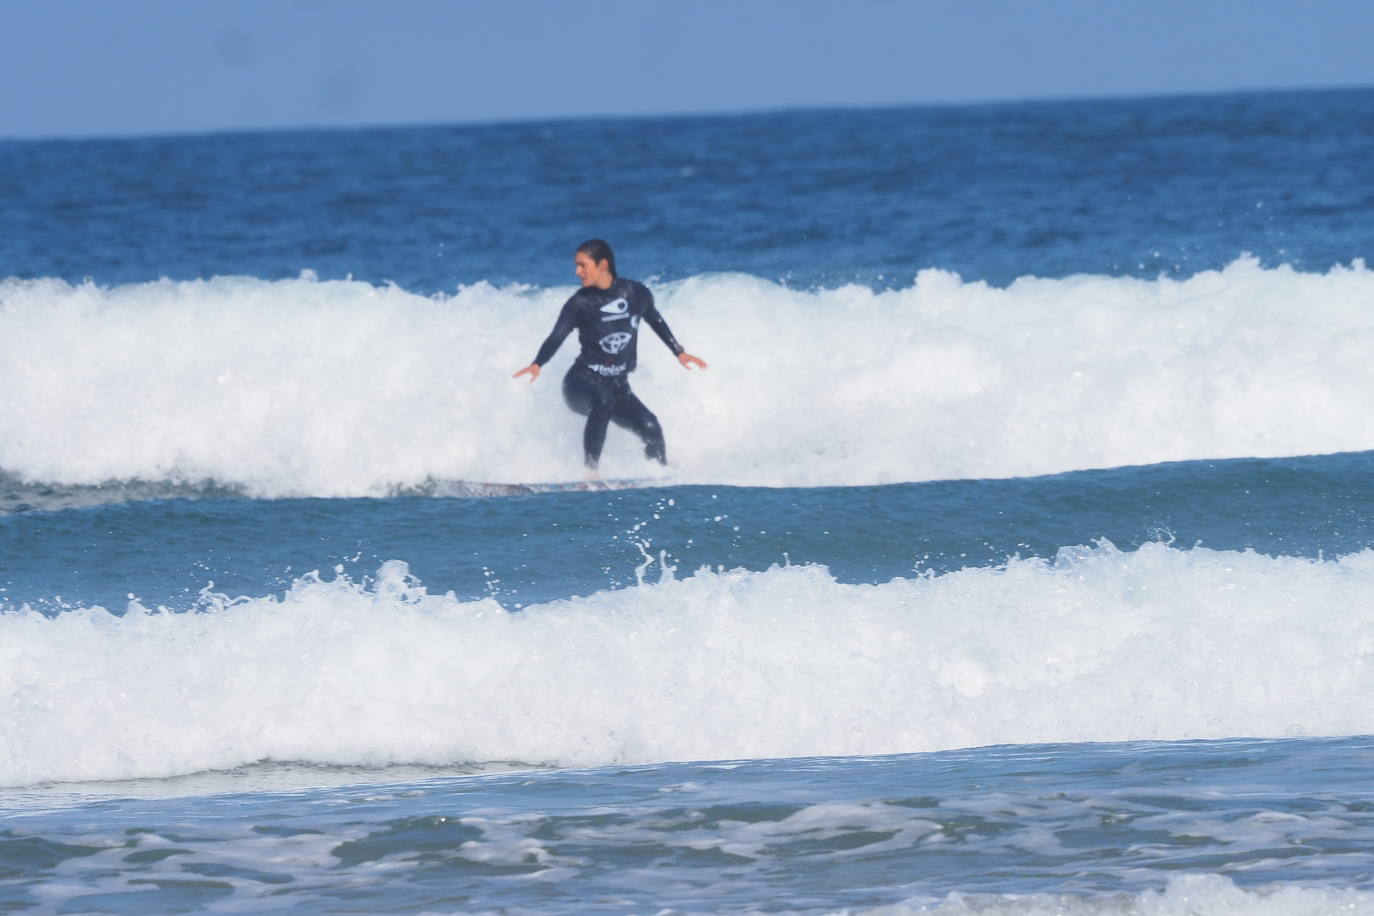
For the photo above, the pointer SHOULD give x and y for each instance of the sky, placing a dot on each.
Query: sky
(74, 68)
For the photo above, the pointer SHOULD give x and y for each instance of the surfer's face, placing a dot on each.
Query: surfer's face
(592, 273)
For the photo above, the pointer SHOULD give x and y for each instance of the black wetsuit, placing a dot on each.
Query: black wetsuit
(598, 386)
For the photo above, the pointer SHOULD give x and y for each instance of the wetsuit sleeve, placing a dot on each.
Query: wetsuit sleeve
(660, 327)
(567, 320)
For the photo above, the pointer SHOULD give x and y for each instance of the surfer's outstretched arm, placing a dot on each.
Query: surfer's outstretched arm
(660, 326)
(567, 320)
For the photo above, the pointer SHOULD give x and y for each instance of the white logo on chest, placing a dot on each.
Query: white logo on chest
(614, 343)
(615, 310)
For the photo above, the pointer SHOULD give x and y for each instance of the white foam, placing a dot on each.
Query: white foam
(1185, 895)
(1096, 645)
(341, 388)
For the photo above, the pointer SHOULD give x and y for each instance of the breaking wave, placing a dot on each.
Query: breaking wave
(303, 387)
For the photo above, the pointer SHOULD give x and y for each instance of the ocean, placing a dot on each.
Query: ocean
(1015, 554)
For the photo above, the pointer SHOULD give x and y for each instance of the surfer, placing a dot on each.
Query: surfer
(606, 312)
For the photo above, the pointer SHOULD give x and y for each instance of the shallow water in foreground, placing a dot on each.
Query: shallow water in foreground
(951, 831)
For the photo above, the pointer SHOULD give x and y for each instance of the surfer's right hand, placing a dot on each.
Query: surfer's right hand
(532, 370)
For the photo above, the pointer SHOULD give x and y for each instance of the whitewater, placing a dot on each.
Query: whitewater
(1092, 645)
(343, 388)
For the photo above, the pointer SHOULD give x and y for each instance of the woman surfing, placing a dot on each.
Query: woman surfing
(606, 312)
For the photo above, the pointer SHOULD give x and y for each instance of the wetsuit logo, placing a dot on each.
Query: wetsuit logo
(614, 343)
(615, 309)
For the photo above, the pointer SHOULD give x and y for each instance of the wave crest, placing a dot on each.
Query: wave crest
(1093, 645)
(301, 387)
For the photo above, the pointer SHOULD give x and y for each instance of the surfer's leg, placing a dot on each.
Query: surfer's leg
(595, 400)
(630, 413)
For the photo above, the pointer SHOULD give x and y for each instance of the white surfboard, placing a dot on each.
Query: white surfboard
(486, 488)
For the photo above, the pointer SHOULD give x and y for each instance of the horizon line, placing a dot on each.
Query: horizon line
(762, 110)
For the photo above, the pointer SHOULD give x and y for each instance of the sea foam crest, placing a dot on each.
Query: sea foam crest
(1184, 895)
(301, 387)
(1093, 645)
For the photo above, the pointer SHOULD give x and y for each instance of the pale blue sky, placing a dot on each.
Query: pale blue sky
(94, 67)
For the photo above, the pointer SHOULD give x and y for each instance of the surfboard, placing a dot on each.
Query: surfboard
(487, 488)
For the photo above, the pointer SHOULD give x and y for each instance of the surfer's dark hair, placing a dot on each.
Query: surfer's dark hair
(598, 251)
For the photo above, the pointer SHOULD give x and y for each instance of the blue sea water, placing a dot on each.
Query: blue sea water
(1016, 554)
